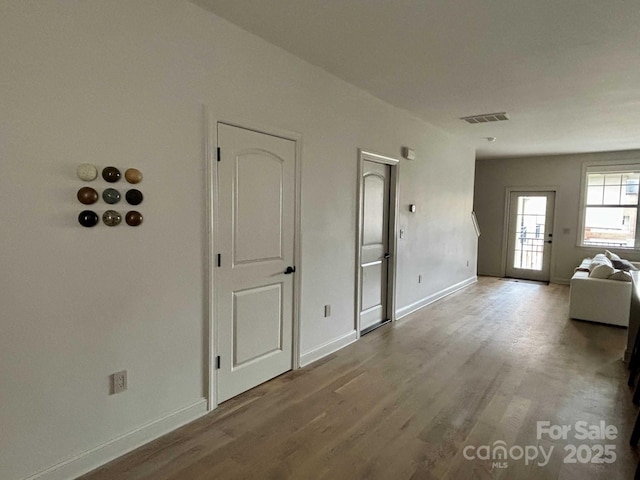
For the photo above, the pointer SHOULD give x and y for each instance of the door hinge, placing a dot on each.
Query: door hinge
(219, 259)
(218, 153)
(218, 362)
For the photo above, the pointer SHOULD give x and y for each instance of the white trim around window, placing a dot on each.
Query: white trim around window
(603, 205)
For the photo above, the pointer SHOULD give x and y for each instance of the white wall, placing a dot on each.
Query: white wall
(123, 83)
(564, 172)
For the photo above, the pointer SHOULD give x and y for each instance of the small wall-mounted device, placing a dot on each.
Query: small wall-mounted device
(408, 153)
(412, 208)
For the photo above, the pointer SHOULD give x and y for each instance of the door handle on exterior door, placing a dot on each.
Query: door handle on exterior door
(290, 270)
(387, 255)
(549, 241)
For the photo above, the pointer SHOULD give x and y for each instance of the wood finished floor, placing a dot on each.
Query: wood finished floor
(481, 365)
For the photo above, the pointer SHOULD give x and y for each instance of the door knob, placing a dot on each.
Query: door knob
(387, 255)
(289, 270)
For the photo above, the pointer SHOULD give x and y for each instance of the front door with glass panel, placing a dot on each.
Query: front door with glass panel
(530, 236)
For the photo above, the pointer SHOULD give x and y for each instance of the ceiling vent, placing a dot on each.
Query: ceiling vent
(486, 117)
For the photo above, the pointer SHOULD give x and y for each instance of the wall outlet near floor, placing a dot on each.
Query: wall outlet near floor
(419, 278)
(118, 382)
(467, 263)
(327, 311)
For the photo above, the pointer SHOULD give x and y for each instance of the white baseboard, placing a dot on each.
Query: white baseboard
(491, 274)
(327, 348)
(97, 456)
(404, 311)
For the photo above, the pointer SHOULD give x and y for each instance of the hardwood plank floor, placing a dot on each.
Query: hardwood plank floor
(482, 365)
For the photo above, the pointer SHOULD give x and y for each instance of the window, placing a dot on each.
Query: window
(610, 214)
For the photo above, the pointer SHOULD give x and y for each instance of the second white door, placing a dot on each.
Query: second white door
(374, 257)
(254, 273)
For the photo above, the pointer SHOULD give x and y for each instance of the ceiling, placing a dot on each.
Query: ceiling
(567, 72)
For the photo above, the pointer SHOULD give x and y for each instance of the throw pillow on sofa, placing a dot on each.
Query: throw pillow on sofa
(611, 256)
(600, 259)
(621, 276)
(602, 271)
(625, 265)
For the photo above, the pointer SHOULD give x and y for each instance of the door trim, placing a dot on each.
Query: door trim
(211, 211)
(505, 226)
(393, 219)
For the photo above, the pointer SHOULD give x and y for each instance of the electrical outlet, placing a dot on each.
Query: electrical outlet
(402, 233)
(419, 278)
(327, 311)
(467, 263)
(118, 382)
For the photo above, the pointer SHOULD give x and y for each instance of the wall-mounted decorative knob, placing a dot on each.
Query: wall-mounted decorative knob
(111, 174)
(134, 196)
(133, 175)
(111, 196)
(111, 218)
(86, 172)
(133, 218)
(87, 195)
(88, 218)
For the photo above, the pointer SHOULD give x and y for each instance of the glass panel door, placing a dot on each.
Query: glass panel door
(529, 242)
(530, 235)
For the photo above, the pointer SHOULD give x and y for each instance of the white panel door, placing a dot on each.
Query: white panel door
(374, 257)
(255, 241)
(530, 235)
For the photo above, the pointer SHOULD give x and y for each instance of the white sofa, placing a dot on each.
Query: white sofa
(604, 300)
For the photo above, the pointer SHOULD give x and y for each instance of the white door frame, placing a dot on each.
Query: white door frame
(505, 227)
(211, 168)
(394, 192)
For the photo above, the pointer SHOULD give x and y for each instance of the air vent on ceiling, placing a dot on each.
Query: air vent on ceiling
(486, 117)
